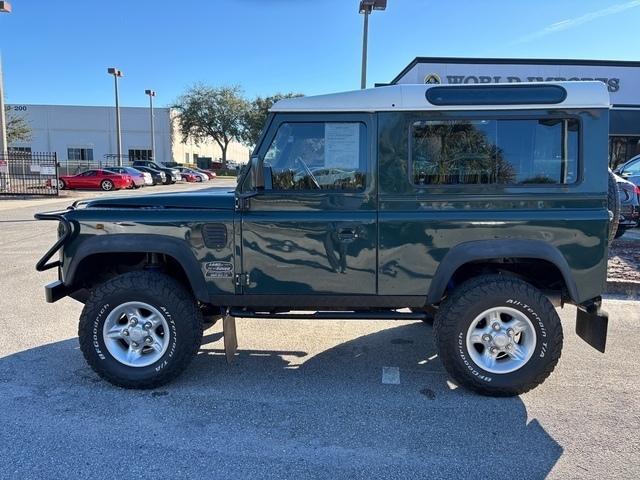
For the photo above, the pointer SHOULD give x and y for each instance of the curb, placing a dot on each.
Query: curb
(628, 289)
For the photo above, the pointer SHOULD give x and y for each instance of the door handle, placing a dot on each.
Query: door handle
(347, 234)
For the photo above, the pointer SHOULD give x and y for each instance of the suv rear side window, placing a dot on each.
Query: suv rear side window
(496, 151)
(318, 155)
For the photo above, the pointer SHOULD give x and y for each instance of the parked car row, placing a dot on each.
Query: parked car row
(628, 180)
(629, 205)
(140, 174)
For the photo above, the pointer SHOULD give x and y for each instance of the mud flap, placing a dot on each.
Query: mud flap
(591, 325)
(230, 338)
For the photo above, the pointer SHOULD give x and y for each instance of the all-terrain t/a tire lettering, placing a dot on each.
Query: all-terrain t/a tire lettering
(182, 329)
(518, 365)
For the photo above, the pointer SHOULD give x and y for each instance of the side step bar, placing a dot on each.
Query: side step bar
(357, 315)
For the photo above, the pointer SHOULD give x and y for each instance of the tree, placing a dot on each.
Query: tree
(18, 128)
(256, 115)
(206, 112)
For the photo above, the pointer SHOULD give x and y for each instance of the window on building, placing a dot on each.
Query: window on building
(139, 154)
(80, 153)
(186, 157)
(502, 151)
(195, 157)
(327, 156)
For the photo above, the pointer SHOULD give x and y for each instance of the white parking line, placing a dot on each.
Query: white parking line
(391, 375)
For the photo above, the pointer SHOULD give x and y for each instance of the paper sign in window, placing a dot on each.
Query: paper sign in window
(342, 145)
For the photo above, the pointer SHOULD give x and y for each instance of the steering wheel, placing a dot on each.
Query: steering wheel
(309, 172)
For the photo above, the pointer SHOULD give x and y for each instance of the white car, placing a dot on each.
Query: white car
(148, 179)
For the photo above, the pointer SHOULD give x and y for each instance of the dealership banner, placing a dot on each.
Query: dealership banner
(623, 82)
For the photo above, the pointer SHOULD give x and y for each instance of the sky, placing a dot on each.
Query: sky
(57, 52)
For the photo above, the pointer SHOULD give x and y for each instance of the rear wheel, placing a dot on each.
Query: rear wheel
(106, 185)
(498, 335)
(140, 329)
(61, 184)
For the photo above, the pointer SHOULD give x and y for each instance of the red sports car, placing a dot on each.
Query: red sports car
(102, 179)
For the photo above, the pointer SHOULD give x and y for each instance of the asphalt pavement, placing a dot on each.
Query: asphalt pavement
(304, 399)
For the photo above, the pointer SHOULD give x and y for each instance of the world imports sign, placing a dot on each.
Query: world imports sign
(613, 84)
(621, 78)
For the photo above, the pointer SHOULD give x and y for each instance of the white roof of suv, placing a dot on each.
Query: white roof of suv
(588, 94)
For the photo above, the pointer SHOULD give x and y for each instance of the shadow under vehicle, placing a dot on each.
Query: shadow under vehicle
(484, 206)
(282, 408)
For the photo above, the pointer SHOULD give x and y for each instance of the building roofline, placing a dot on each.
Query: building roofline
(82, 106)
(515, 61)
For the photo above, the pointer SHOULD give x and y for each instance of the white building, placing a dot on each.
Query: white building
(88, 133)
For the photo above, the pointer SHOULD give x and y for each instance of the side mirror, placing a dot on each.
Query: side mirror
(257, 174)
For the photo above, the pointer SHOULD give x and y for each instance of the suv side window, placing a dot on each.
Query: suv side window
(496, 151)
(318, 155)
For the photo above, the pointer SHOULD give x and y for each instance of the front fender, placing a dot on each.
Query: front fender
(140, 242)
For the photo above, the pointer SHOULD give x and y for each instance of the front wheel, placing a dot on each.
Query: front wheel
(498, 335)
(140, 329)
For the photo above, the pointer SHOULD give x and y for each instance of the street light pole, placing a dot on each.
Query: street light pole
(3, 123)
(366, 7)
(152, 94)
(365, 34)
(116, 74)
(5, 7)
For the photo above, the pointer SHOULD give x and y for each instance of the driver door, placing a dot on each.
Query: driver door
(86, 179)
(313, 229)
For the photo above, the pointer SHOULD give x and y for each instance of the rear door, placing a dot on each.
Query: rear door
(313, 230)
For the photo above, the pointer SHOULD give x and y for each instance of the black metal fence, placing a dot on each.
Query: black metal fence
(26, 173)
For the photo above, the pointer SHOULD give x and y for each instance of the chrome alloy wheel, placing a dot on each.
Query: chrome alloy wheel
(136, 334)
(501, 340)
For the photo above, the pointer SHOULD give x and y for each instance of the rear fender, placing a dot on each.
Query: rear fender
(491, 249)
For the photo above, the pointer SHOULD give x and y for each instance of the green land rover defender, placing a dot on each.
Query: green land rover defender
(481, 208)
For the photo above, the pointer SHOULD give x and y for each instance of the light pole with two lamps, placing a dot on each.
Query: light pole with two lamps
(117, 74)
(366, 7)
(5, 7)
(152, 94)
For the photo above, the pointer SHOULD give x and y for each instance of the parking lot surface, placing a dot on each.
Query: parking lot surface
(304, 399)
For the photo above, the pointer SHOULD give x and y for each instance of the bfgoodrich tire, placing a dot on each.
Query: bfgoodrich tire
(140, 329)
(498, 335)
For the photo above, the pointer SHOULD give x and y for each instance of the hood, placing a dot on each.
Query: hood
(209, 200)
